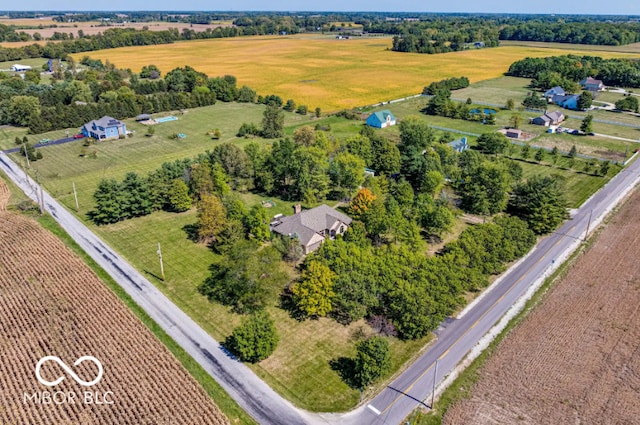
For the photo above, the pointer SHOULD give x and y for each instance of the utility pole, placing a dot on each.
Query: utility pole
(433, 394)
(586, 233)
(75, 195)
(26, 155)
(159, 252)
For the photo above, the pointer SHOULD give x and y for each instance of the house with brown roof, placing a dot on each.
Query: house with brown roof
(549, 119)
(311, 227)
(592, 84)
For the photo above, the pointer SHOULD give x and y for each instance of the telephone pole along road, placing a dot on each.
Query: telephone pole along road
(412, 387)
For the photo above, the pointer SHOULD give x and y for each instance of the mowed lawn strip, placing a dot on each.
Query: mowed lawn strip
(325, 72)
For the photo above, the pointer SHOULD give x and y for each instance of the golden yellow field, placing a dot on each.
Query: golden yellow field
(34, 22)
(323, 71)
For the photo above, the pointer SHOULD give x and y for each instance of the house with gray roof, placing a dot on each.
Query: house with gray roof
(567, 102)
(104, 128)
(311, 227)
(459, 145)
(557, 90)
(549, 119)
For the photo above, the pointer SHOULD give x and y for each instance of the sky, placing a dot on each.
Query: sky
(608, 7)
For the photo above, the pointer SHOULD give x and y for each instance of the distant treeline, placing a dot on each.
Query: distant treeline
(420, 33)
(612, 72)
(446, 34)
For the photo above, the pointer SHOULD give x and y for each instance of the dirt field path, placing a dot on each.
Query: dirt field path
(576, 358)
(52, 304)
(4, 196)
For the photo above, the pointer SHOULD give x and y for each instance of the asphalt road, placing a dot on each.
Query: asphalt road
(38, 145)
(411, 388)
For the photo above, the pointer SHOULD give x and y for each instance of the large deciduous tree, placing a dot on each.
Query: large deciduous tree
(347, 171)
(211, 217)
(485, 189)
(585, 100)
(179, 199)
(246, 278)
(493, 143)
(373, 360)
(22, 108)
(272, 122)
(313, 293)
(255, 339)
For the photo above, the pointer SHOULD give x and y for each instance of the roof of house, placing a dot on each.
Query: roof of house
(514, 131)
(382, 115)
(143, 117)
(591, 80)
(309, 223)
(552, 116)
(563, 98)
(555, 90)
(457, 144)
(107, 121)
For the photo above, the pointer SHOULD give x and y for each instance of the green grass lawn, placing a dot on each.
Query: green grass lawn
(496, 90)
(35, 63)
(579, 185)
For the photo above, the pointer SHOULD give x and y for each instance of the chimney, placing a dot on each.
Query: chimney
(297, 208)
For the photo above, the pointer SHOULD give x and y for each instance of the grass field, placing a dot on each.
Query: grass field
(496, 90)
(629, 48)
(333, 74)
(35, 63)
(117, 157)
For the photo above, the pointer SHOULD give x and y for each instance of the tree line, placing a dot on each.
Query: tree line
(102, 89)
(442, 34)
(546, 72)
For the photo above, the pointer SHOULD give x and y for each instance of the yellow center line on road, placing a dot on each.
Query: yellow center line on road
(475, 323)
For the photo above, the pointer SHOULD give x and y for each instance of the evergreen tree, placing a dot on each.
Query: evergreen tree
(108, 197)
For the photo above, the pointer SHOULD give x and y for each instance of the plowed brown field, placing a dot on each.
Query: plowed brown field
(52, 304)
(576, 358)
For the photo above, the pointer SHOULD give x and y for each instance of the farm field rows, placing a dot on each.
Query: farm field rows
(574, 359)
(333, 74)
(53, 304)
(32, 25)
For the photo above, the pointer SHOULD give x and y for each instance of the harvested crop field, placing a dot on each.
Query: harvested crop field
(325, 72)
(576, 358)
(51, 304)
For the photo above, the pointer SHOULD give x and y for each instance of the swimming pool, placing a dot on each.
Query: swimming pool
(166, 119)
(486, 111)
